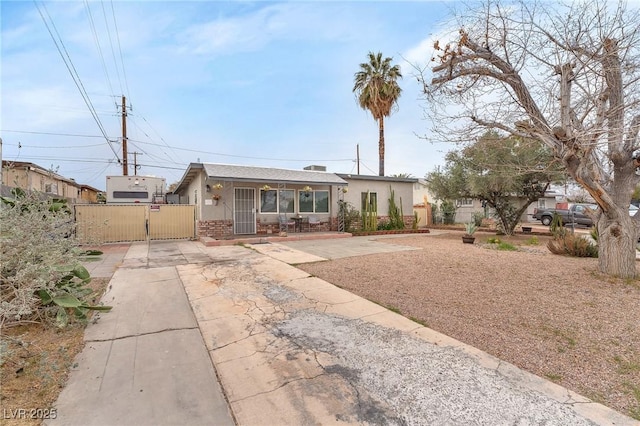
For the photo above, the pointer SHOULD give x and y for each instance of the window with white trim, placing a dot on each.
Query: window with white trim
(313, 201)
(287, 201)
(465, 202)
(277, 201)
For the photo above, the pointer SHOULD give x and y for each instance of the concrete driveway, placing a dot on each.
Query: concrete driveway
(221, 335)
(290, 348)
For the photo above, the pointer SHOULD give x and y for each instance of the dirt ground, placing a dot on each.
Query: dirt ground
(554, 316)
(35, 361)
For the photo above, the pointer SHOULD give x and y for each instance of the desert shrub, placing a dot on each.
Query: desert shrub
(478, 218)
(350, 214)
(572, 245)
(448, 210)
(494, 240)
(533, 241)
(504, 246)
(41, 272)
(384, 225)
(557, 228)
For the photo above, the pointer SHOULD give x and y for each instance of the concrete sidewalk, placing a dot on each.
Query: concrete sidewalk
(144, 363)
(288, 349)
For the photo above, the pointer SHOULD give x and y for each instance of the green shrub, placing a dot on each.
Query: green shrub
(448, 210)
(350, 215)
(478, 218)
(506, 247)
(385, 225)
(494, 240)
(557, 228)
(533, 241)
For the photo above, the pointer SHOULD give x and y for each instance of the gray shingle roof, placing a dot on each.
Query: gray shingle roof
(270, 174)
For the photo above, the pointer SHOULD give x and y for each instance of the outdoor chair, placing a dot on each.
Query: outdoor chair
(286, 223)
(313, 222)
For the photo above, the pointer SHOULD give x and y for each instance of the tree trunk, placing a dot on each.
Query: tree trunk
(617, 247)
(381, 147)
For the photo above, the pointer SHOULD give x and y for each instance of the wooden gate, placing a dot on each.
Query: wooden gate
(109, 223)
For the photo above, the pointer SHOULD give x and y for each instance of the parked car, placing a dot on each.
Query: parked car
(577, 214)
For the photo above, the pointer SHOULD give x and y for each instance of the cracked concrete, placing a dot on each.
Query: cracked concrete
(144, 362)
(293, 349)
(287, 348)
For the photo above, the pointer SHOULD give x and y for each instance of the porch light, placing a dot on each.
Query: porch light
(307, 188)
(218, 186)
(266, 188)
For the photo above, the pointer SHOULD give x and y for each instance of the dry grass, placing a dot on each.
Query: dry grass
(36, 360)
(554, 316)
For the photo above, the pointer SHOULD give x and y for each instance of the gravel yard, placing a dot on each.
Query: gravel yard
(554, 316)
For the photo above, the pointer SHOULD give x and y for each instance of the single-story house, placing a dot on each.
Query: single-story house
(244, 200)
(89, 194)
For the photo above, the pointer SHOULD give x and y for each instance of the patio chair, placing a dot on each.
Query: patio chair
(313, 222)
(286, 223)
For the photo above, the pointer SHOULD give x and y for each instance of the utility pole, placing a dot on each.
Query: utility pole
(358, 156)
(135, 162)
(125, 162)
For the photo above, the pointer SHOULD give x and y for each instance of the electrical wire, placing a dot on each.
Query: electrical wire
(124, 70)
(244, 156)
(52, 134)
(97, 42)
(74, 74)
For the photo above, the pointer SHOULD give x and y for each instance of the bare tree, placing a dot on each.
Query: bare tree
(566, 75)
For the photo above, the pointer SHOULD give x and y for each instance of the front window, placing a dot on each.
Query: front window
(277, 201)
(268, 201)
(465, 202)
(287, 201)
(313, 201)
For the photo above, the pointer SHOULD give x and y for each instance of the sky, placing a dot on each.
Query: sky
(251, 83)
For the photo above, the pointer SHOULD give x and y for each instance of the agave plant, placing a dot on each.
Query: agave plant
(470, 228)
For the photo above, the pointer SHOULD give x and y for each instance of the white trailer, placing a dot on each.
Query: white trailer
(136, 189)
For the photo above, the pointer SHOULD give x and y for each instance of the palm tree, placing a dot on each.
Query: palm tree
(377, 90)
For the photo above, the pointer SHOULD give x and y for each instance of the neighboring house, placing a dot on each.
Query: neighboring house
(245, 200)
(89, 194)
(468, 208)
(31, 177)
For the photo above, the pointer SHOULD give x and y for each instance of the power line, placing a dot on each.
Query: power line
(21, 145)
(244, 156)
(97, 41)
(115, 24)
(74, 74)
(187, 149)
(52, 134)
